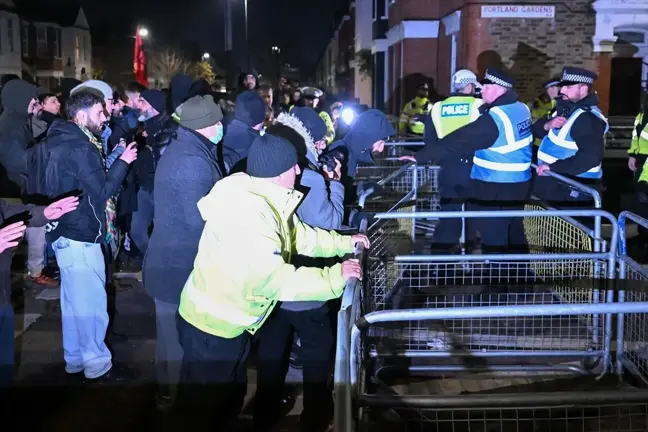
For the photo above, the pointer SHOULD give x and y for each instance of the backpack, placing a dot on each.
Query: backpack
(36, 159)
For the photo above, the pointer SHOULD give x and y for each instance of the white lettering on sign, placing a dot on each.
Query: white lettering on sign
(455, 110)
(518, 11)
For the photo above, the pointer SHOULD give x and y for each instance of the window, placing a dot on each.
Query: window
(41, 41)
(56, 43)
(77, 48)
(10, 34)
(25, 40)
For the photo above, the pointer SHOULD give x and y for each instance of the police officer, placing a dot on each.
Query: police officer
(637, 163)
(500, 141)
(456, 111)
(409, 115)
(544, 105)
(573, 140)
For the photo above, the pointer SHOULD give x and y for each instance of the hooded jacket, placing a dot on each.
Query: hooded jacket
(239, 134)
(75, 166)
(323, 203)
(15, 134)
(186, 174)
(242, 268)
(370, 127)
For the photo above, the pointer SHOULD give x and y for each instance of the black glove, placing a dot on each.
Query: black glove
(330, 158)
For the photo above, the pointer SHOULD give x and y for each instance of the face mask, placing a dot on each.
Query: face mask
(144, 116)
(219, 135)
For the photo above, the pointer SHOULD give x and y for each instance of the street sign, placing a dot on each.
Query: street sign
(518, 11)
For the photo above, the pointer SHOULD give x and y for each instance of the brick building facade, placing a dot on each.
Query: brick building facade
(416, 41)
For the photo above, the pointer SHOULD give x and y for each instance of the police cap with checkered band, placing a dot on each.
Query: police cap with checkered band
(574, 75)
(497, 77)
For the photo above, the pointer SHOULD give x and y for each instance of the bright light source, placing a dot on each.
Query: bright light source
(206, 56)
(143, 32)
(348, 115)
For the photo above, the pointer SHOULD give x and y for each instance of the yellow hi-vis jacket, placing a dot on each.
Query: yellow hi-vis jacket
(639, 144)
(242, 267)
(417, 106)
(539, 110)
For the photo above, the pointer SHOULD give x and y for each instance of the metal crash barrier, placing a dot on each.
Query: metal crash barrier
(461, 330)
(490, 342)
(632, 330)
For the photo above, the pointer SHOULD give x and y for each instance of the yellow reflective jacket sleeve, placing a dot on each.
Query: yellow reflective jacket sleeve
(318, 243)
(634, 144)
(277, 280)
(330, 128)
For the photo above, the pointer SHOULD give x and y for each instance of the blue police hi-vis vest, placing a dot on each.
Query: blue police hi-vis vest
(508, 160)
(559, 143)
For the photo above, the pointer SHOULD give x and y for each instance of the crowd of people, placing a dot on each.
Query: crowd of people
(230, 215)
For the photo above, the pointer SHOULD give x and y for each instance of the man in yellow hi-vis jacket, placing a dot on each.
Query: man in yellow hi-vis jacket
(419, 105)
(544, 105)
(242, 271)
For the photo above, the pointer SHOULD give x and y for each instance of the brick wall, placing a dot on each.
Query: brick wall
(532, 50)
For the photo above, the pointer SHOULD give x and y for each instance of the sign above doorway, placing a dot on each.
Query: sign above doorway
(518, 11)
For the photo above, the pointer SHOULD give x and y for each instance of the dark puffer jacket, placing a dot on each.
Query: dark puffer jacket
(15, 134)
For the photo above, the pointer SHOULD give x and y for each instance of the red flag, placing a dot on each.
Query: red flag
(139, 60)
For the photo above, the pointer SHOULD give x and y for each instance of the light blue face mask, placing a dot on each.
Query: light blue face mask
(219, 135)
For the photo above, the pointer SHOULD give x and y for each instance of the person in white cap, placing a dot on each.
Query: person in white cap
(456, 111)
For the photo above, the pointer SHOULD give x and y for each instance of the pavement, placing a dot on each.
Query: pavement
(50, 400)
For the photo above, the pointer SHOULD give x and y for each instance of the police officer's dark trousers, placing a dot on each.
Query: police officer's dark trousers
(316, 353)
(500, 234)
(454, 183)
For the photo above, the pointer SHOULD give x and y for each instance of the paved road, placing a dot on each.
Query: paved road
(49, 400)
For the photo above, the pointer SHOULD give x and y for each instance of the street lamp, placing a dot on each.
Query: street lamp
(143, 32)
(276, 49)
(205, 56)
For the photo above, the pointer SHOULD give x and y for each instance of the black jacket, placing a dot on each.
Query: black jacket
(125, 126)
(478, 135)
(158, 130)
(15, 135)
(186, 173)
(454, 177)
(588, 132)
(10, 213)
(75, 166)
(236, 144)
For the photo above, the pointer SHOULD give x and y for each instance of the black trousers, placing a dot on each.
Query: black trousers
(213, 379)
(500, 234)
(316, 353)
(448, 232)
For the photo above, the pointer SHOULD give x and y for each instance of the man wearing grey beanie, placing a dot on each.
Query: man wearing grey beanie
(187, 171)
(242, 271)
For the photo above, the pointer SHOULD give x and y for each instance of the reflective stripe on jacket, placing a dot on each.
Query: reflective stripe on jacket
(508, 160)
(242, 267)
(559, 143)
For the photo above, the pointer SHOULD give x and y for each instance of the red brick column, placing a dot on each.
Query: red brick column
(602, 85)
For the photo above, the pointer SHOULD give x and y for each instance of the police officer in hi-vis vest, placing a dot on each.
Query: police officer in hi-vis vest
(544, 106)
(461, 108)
(500, 143)
(572, 141)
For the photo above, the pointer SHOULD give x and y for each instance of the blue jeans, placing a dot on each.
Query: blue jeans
(142, 220)
(84, 308)
(6, 345)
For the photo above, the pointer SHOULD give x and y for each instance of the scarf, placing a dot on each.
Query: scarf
(111, 205)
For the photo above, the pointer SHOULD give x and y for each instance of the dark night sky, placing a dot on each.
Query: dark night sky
(301, 28)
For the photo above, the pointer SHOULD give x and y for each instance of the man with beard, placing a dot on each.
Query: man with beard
(77, 165)
(573, 140)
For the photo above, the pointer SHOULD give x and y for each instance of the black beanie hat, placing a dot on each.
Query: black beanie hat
(155, 98)
(270, 156)
(250, 108)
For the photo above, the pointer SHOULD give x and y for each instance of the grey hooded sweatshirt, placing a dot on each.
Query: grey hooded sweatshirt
(323, 204)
